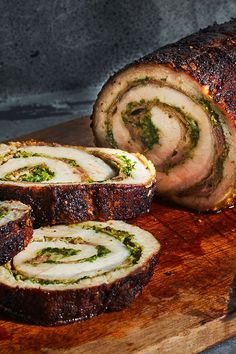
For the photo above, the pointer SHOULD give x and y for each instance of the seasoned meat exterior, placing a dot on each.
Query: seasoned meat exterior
(72, 273)
(67, 184)
(15, 229)
(177, 106)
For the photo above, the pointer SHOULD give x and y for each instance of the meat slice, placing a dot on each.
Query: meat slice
(74, 272)
(66, 184)
(177, 106)
(15, 229)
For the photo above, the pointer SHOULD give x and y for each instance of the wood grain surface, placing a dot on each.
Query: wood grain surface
(188, 305)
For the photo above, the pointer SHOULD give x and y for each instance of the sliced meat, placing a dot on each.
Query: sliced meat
(71, 273)
(15, 229)
(177, 108)
(70, 184)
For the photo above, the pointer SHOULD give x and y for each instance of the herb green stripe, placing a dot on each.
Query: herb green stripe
(54, 255)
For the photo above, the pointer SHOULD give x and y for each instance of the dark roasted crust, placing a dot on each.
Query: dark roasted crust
(73, 203)
(208, 56)
(60, 307)
(15, 236)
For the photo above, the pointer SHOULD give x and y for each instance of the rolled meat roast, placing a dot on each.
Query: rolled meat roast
(177, 106)
(66, 184)
(15, 229)
(74, 272)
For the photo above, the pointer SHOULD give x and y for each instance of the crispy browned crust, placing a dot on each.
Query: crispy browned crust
(65, 306)
(73, 203)
(208, 56)
(15, 236)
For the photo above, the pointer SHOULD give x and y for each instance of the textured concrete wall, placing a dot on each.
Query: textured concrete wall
(72, 46)
(46, 46)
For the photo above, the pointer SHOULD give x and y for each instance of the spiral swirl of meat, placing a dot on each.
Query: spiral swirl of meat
(74, 272)
(177, 107)
(71, 184)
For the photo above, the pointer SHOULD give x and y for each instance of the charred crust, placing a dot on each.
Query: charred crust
(123, 201)
(59, 307)
(208, 56)
(67, 204)
(15, 236)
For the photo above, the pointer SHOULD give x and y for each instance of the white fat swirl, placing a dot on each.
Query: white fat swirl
(62, 171)
(63, 233)
(89, 167)
(95, 167)
(69, 267)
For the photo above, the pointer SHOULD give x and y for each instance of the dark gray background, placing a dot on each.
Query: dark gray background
(54, 55)
(54, 45)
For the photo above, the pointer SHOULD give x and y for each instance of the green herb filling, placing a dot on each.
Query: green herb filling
(215, 117)
(101, 252)
(39, 173)
(53, 255)
(127, 165)
(192, 126)
(123, 236)
(3, 212)
(57, 255)
(110, 136)
(138, 115)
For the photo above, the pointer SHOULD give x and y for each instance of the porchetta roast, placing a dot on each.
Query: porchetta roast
(66, 184)
(74, 272)
(177, 106)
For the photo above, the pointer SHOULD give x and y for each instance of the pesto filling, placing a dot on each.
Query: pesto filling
(42, 173)
(123, 236)
(213, 114)
(138, 115)
(138, 120)
(53, 255)
(110, 136)
(57, 255)
(3, 212)
(192, 126)
(39, 173)
(127, 166)
(149, 133)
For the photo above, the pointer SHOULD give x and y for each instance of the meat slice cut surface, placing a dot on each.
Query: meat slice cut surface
(73, 272)
(66, 184)
(177, 107)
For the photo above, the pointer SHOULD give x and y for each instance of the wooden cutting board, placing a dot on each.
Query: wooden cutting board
(188, 305)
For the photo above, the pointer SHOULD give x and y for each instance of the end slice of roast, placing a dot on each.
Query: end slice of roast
(15, 229)
(72, 273)
(177, 107)
(66, 184)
